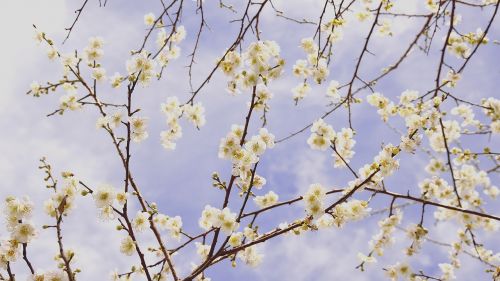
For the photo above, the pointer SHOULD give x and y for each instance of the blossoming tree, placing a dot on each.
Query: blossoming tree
(432, 124)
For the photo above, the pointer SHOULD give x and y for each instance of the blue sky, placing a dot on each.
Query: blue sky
(179, 181)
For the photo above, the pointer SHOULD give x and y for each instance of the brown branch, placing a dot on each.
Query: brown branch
(450, 166)
(9, 271)
(25, 258)
(198, 35)
(358, 64)
(78, 12)
(243, 30)
(59, 214)
(390, 69)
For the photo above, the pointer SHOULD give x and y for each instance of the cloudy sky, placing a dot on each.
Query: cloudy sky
(179, 181)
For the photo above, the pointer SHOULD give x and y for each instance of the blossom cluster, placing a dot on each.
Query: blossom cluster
(386, 108)
(492, 110)
(138, 125)
(266, 200)
(251, 256)
(467, 179)
(94, 51)
(436, 187)
(459, 45)
(383, 238)
(259, 64)
(138, 128)
(110, 121)
(323, 136)
(244, 154)
(172, 224)
(435, 166)
(50, 275)
(312, 67)
(173, 111)
(223, 219)
(170, 51)
(105, 196)
(405, 272)
(62, 202)
(315, 66)
(416, 115)
(314, 199)
(451, 130)
(417, 233)
(21, 231)
(383, 165)
(399, 270)
(342, 213)
(142, 65)
(352, 210)
(70, 102)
